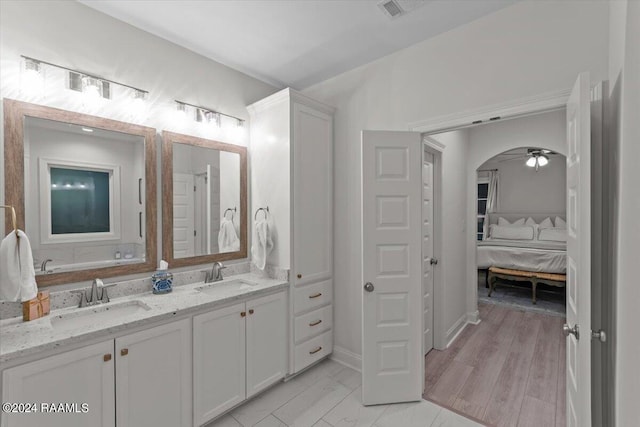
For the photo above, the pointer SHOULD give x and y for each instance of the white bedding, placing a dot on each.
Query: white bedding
(523, 258)
(531, 244)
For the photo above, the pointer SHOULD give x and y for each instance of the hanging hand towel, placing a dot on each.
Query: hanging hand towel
(17, 275)
(262, 243)
(227, 238)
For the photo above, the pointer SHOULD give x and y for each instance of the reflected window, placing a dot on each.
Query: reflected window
(80, 201)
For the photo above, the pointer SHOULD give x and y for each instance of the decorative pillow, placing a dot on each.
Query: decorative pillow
(553, 234)
(511, 232)
(504, 223)
(560, 223)
(530, 222)
(546, 223)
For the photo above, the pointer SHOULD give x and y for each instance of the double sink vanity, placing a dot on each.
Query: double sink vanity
(184, 358)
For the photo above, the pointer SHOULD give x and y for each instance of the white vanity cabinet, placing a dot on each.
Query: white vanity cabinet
(238, 351)
(153, 376)
(138, 380)
(80, 376)
(292, 172)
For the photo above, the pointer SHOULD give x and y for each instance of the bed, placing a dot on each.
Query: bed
(539, 247)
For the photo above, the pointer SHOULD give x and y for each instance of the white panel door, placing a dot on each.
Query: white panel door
(579, 255)
(392, 323)
(218, 361)
(80, 376)
(312, 195)
(266, 342)
(183, 216)
(427, 252)
(153, 377)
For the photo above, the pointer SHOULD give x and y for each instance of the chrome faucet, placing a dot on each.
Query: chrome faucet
(96, 295)
(215, 275)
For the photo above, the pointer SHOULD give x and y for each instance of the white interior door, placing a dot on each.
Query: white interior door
(392, 368)
(183, 218)
(429, 262)
(578, 325)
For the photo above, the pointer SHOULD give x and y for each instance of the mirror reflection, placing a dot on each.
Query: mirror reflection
(84, 196)
(206, 201)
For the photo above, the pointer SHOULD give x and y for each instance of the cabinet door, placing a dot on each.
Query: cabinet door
(312, 195)
(76, 377)
(153, 377)
(218, 361)
(266, 341)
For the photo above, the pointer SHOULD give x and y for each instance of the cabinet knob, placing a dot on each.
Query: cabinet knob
(242, 314)
(299, 276)
(106, 357)
(124, 352)
(251, 311)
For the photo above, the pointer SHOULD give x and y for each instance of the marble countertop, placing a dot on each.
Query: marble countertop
(20, 339)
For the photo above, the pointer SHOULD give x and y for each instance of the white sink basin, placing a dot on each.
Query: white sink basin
(226, 286)
(97, 314)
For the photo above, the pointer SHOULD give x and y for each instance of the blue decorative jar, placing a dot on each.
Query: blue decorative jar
(162, 281)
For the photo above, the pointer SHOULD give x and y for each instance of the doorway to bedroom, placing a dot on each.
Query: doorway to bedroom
(509, 368)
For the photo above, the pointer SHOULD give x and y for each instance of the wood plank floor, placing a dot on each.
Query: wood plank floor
(507, 371)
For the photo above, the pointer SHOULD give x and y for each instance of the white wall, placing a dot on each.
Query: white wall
(624, 75)
(73, 35)
(523, 189)
(526, 49)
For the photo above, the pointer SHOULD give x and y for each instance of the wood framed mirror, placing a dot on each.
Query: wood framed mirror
(84, 190)
(204, 209)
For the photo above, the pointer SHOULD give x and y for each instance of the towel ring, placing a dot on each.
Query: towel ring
(233, 211)
(264, 210)
(13, 216)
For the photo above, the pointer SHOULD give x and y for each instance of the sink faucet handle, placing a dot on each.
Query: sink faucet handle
(104, 295)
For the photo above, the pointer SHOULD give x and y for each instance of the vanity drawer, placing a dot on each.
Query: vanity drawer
(310, 324)
(313, 350)
(313, 296)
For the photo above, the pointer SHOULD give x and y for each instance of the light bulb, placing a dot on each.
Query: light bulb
(32, 78)
(92, 89)
(531, 162)
(138, 103)
(543, 160)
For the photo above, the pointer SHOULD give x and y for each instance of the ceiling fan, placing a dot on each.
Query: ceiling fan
(535, 157)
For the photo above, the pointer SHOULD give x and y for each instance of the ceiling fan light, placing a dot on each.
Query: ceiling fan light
(543, 160)
(531, 162)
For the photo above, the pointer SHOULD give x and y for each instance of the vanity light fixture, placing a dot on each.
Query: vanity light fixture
(32, 75)
(206, 115)
(94, 86)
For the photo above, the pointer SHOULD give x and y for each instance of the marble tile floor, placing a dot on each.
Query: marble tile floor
(329, 395)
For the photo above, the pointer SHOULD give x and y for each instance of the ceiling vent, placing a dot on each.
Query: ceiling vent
(391, 8)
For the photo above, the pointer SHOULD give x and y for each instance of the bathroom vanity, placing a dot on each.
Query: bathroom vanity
(149, 360)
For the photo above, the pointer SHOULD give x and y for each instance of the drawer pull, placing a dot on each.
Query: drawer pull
(251, 311)
(242, 314)
(319, 294)
(124, 352)
(107, 357)
(316, 350)
(317, 322)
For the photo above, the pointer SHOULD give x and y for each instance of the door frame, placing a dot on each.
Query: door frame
(509, 110)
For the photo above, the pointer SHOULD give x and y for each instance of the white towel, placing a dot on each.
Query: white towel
(17, 276)
(262, 243)
(227, 238)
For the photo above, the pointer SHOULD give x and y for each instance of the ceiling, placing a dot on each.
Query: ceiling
(294, 43)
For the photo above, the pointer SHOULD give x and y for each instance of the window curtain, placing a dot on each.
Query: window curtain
(492, 201)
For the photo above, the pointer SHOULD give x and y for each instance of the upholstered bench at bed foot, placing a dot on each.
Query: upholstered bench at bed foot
(534, 277)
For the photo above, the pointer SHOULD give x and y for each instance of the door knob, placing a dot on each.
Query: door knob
(569, 330)
(599, 335)
(433, 261)
(368, 287)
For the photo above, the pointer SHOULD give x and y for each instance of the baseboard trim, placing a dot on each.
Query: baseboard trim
(455, 330)
(347, 358)
(474, 318)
